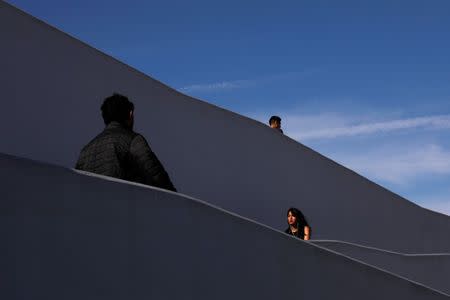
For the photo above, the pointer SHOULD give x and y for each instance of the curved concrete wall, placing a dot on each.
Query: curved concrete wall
(71, 236)
(52, 88)
(433, 270)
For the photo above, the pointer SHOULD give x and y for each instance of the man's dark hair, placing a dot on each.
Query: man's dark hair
(273, 119)
(116, 108)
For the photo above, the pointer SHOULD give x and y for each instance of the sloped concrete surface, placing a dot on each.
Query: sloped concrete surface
(432, 270)
(71, 236)
(52, 88)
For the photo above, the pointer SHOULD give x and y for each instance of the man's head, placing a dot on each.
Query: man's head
(275, 122)
(118, 108)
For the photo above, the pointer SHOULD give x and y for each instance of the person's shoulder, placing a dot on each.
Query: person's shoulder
(138, 138)
(119, 134)
(92, 142)
(139, 142)
(287, 231)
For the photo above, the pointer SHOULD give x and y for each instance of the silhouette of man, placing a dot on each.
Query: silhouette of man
(275, 123)
(120, 152)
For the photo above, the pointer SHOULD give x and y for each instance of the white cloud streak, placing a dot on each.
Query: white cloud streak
(429, 122)
(400, 165)
(224, 85)
(237, 84)
(391, 162)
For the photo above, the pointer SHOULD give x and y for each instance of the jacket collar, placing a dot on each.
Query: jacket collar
(113, 125)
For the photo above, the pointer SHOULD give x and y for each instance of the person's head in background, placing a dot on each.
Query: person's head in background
(117, 108)
(275, 123)
(298, 225)
(295, 217)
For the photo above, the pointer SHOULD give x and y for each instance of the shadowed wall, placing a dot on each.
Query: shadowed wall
(433, 270)
(53, 86)
(71, 236)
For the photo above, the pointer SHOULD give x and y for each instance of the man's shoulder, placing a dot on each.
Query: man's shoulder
(122, 133)
(137, 137)
(108, 136)
(139, 142)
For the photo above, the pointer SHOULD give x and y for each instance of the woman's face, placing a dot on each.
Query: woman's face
(291, 219)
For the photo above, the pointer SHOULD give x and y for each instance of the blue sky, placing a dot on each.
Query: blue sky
(365, 83)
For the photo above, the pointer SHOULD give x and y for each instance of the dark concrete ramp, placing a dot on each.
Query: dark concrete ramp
(52, 88)
(432, 270)
(71, 236)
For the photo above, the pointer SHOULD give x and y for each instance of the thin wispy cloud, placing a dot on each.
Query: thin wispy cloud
(245, 83)
(400, 165)
(429, 122)
(224, 85)
(328, 126)
(391, 162)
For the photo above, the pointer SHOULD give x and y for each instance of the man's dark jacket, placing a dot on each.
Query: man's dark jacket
(122, 153)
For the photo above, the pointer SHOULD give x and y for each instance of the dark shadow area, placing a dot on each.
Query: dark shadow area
(53, 86)
(72, 236)
(431, 270)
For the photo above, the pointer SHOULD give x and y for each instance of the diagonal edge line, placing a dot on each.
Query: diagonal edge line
(259, 224)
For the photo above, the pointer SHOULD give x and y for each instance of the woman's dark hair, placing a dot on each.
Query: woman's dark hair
(301, 220)
(116, 108)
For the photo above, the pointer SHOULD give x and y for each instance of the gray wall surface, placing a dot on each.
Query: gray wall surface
(71, 236)
(52, 87)
(433, 270)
